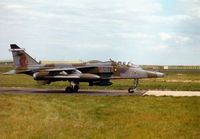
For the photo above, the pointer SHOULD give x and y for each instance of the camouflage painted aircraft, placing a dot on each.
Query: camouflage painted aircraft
(98, 73)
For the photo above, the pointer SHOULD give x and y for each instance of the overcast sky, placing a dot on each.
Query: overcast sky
(165, 32)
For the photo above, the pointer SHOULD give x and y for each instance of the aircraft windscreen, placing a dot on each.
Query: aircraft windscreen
(129, 64)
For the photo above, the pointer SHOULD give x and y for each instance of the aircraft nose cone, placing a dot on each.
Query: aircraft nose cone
(153, 74)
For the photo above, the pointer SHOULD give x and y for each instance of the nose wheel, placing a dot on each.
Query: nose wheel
(74, 86)
(132, 90)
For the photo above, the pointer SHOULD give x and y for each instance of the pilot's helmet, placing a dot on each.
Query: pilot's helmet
(119, 62)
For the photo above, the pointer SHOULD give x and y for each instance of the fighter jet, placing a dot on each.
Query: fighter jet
(95, 73)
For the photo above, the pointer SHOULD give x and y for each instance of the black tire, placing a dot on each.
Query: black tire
(76, 88)
(69, 90)
(131, 90)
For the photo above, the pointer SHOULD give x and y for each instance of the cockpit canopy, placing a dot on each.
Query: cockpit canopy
(128, 64)
(120, 63)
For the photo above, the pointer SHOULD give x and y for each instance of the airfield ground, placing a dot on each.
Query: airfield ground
(96, 92)
(96, 116)
(83, 116)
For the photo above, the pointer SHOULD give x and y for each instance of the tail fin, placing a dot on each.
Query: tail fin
(21, 58)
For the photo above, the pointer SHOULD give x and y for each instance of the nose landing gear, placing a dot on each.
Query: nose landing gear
(132, 90)
(74, 86)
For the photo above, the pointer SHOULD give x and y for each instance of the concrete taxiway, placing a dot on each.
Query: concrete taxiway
(96, 92)
(61, 91)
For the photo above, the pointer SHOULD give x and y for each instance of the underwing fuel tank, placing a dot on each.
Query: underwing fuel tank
(101, 83)
(89, 76)
(39, 75)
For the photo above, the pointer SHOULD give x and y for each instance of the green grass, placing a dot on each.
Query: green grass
(180, 80)
(61, 116)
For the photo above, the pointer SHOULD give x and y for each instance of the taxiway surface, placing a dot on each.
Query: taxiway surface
(61, 91)
(96, 92)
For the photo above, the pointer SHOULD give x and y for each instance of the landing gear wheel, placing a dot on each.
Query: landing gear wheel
(74, 86)
(69, 90)
(135, 83)
(75, 89)
(131, 90)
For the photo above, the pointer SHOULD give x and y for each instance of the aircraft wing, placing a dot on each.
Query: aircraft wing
(68, 73)
(60, 69)
(73, 69)
(83, 67)
(63, 77)
(58, 73)
(75, 76)
(10, 72)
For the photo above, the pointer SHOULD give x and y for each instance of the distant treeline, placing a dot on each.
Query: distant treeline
(6, 62)
(172, 67)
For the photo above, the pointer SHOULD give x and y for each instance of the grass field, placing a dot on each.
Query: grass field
(61, 116)
(73, 116)
(174, 80)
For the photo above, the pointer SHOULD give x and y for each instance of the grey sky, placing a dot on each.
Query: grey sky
(144, 32)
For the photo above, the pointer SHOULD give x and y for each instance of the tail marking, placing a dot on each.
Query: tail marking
(22, 63)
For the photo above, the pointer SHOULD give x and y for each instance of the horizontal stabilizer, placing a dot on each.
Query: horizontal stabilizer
(10, 72)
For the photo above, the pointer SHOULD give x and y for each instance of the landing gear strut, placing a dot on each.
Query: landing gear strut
(131, 90)
(74, 86)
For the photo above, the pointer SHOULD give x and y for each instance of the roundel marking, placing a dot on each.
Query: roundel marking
(123, 70)
(22, 63)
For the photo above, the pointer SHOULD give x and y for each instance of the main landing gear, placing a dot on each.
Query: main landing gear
(74, 86)
(132, 90)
